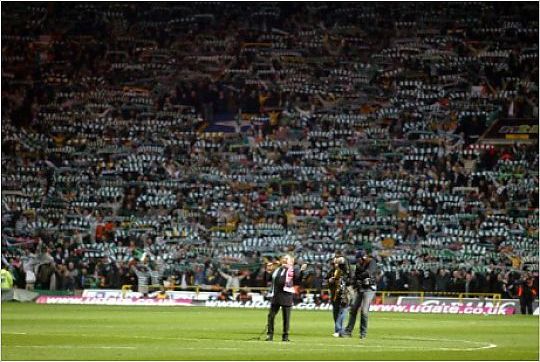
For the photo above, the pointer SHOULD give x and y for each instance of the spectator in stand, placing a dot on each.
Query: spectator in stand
(6, 279)
(233, 281)
(225, 295)
(457, 283)
(243, 296)
(162, 294)
(470, 283)
(527, 293)
(71, 277)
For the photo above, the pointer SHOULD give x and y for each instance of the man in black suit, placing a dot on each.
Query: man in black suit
(283, 278)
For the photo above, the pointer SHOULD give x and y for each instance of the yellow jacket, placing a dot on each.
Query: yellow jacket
(7, 279)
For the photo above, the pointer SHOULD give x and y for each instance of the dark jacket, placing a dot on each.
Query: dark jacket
(281, 297)
(527, 292)
(364, 272)
(414, 281)
(442, 282)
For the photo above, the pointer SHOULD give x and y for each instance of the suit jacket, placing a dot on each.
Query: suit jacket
(281, 297)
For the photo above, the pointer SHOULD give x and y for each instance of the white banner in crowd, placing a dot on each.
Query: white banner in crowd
(172, 294)
(440, 309)
(263, 305)
(113, 301)
(508, 305)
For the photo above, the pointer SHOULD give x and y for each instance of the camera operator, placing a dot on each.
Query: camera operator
(364, 285)
(337, 282)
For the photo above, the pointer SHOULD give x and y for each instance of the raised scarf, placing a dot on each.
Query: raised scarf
(289, 277)
(289, 280)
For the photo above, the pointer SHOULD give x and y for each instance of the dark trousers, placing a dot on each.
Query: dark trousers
(274, 309)
(335, 309)
(526, 305)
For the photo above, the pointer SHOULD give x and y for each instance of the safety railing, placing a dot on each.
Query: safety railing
(422, 294)
(383, 295)
(53, 292)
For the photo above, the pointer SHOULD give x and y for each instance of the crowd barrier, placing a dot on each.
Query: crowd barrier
(381, 296)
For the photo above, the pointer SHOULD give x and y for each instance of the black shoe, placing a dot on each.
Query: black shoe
(269, 338)
(285, 339)
(345, 335)
(363, 336)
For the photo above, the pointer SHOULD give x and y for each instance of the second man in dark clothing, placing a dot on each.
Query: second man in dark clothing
(364, 284)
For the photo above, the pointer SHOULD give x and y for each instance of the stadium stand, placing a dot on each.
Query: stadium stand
(151, 142)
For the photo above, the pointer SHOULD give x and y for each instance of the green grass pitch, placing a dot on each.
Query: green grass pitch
(56, 332)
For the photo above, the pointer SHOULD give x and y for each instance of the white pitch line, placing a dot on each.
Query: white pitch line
(119, 347)
(371, 346)
(349, 345)
(212, 348)
(490, 345)
(392, 319)
(68, 346)
(437, 340)
(362, 346)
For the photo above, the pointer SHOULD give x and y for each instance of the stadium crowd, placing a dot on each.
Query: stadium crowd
(191, 143)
